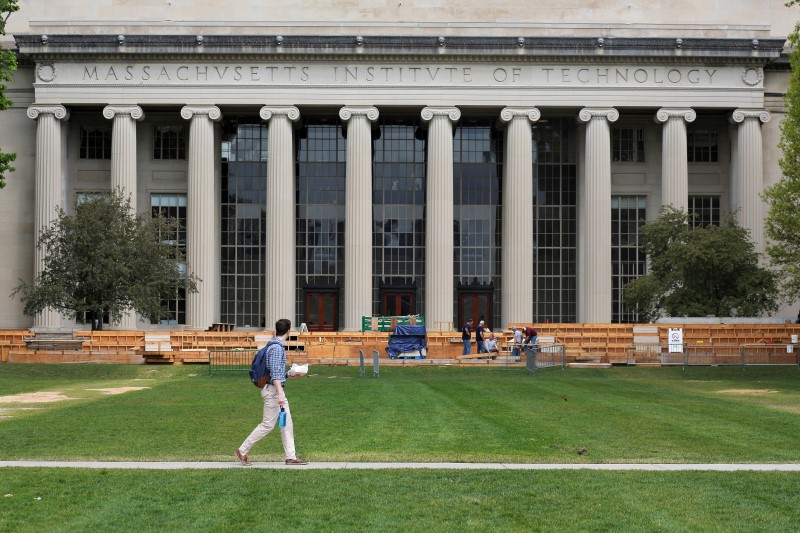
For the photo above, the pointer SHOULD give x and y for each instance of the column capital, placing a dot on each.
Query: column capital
(347, 112)
(133, 111)
(510, 113)
(665, 113)
(588, 113)
(290, 112)
(212, 111)
(739, 115)
(452, 113)
(58, 111)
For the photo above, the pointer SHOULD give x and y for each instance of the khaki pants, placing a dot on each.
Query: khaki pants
(271, 411)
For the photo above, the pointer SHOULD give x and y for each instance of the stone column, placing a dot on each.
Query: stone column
(439, 217)
(674, 161)
(597, 274)
(358, 215)
(123, 166)
(202, 239)
(281, 281)
(750, 172)
(49, 186)
(517, 234)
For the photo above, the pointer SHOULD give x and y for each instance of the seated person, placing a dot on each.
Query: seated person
(491, 344)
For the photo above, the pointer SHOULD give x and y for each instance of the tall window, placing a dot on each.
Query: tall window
(628, 261)
(173, 206)
(554, 212)
(477, 172)
(80, 198)
(169, 142)
(95, 142)
(704, 211)
(398, 216)
(243, 223)
(321, 160)
(627, 145)
(702, 146)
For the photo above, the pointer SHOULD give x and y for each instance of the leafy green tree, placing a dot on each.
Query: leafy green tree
(103, 259)
(8, 64)
(700, 271)
(782, 224)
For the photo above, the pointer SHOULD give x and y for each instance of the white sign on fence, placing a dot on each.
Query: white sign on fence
(675, 340)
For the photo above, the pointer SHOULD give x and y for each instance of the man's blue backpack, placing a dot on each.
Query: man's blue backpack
(259, 369)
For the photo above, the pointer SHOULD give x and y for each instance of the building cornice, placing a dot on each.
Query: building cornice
(354, 48)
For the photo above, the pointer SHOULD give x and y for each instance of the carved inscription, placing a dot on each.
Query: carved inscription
(399, 75)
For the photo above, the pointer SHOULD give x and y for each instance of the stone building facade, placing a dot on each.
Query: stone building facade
(450, 160)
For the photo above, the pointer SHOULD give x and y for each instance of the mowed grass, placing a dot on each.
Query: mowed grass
(405, 500)
(412, 414)
(628, 415)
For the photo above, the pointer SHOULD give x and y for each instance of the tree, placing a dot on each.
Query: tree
(103, 259)
(8, 64)
(782, 224)
(700, 271)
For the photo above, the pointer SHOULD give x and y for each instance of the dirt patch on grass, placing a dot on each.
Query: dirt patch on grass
(118, 390)
(35, 397)
(748, 391)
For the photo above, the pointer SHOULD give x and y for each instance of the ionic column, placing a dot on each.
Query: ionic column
(123, 166)
(358, 215)
(674, 161)
(202, 239)
(750, 172)
(597, 274)
(280, 232)
(517, 230)
(439, 216)
(49, 186)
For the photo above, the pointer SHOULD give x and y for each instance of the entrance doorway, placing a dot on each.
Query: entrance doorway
(321, 309)
(476, 305)
(398, 303)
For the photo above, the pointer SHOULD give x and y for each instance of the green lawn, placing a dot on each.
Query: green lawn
(410, 414)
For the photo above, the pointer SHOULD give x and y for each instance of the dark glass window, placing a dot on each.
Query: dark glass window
(627, 145)
(173, 206)
(555, 227)
(398, 215)
(702, 146)
(704, 211)
(321, 160)
(477, 209)
(95, 142)
(628, 261)
(243, 221)
(169, 142)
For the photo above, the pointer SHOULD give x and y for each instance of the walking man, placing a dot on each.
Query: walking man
(274, 396)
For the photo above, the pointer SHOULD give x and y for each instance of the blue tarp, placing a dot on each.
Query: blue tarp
(407, 339)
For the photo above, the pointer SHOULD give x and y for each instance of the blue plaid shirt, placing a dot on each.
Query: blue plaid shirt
(276, 361)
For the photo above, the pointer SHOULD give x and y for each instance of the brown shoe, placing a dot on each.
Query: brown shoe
(296, 461)
(242, 458)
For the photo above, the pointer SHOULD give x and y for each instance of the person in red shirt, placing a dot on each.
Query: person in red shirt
(530, 336)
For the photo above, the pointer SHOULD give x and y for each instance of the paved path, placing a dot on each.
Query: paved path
(156, 465)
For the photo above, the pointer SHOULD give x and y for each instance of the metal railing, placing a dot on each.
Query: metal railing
(227, 360)
(545, 356)
(713, 354)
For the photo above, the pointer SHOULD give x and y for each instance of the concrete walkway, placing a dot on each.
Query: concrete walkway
(156, 465)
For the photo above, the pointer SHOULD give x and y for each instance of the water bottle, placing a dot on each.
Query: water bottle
(282, 418)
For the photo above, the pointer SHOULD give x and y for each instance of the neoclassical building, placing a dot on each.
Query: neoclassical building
(330, 163)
